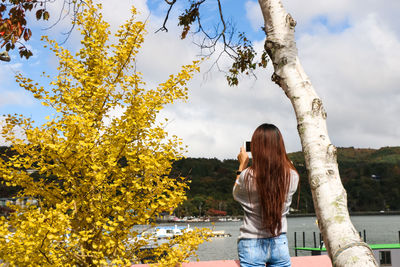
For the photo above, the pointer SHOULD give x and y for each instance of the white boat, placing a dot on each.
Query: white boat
(162, 232)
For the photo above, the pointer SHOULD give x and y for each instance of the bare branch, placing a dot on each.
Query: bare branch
(75, 9)
(224, 40)
(171, 4)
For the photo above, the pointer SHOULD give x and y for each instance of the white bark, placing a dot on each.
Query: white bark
(342, 240)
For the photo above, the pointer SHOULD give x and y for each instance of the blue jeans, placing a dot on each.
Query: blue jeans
(272, 251)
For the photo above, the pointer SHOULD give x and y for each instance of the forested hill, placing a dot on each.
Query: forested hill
(370, 176)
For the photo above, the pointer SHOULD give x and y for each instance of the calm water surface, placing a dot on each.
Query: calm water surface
(379, 230)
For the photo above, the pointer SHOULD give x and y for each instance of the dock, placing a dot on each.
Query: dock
(220, 234)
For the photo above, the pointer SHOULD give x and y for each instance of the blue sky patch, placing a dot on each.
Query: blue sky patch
(332, 27)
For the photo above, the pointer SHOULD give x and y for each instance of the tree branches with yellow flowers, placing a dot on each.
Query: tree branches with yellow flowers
(98, 176)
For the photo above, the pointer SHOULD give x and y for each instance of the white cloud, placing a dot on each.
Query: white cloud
(115, 113)
(6, 72)
(304, 11)
(254, 15)
(3, 142)
(19, 98)
(355, 73)
(354, 70)
(18, 132)
(335, 11)
(217, 118)
(117, 12)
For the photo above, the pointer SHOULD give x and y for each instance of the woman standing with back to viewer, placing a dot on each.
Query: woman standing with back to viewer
(265, 190)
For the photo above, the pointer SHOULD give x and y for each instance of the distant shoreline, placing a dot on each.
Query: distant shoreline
(356, 213)
(291, 215)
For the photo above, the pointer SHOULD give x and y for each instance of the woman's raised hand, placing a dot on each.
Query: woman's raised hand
(243, 159)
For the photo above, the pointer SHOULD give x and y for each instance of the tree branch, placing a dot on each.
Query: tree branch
(223, 41)
(171, 4)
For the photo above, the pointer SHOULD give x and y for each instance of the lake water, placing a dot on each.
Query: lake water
(379, 230)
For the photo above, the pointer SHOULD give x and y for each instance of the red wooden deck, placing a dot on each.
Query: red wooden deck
(307, 261)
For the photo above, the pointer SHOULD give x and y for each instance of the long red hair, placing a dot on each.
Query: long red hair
(271, 169)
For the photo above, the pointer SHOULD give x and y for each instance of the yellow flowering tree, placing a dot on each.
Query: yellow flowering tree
(98, 175)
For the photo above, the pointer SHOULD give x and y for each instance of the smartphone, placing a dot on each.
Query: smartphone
(248, 146)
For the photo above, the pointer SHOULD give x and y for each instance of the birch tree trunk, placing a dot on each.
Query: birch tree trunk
(342, 240)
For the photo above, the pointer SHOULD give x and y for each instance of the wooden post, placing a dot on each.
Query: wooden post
(315, 240)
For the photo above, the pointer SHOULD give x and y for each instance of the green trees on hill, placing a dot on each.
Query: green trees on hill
(372, 181)
(210, 188)
(370, 176)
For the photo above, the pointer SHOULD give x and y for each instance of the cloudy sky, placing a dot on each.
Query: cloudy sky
(350, 50)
